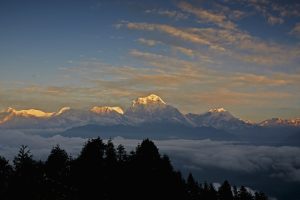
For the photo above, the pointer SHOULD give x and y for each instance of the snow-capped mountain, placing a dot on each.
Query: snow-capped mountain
(107, 110)
(12, 118)
(278, 122)
(64, 118)
(143, 110)
(218, 118)
(153, 109)
(97, 115)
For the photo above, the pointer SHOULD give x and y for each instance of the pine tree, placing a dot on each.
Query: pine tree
(93, 151)
(121, 153)
(243, 194)
(28, 176)
(225, 192)
(57, 163)
(192, 188)
(5, 173)
(212, 193)
(235, 193)
(23, 161)
(110, 153)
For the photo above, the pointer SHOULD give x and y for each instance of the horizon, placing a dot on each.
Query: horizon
(242, 55)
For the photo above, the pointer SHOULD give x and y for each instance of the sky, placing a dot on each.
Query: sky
(242, 55)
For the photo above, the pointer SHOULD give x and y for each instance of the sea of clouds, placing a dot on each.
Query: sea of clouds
(280, 162)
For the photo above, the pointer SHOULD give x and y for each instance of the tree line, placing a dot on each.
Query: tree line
(102, 171)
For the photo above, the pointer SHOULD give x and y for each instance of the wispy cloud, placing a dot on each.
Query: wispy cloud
(175, 32)
(185, 51)
(169, 13)
(148, 42)
(235, 43)
(207, 16)
(267, 9)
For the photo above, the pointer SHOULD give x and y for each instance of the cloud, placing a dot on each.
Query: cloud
(237, 157)
(264, 8)
(242, 46)
(148, 42)
(274, 20)
(230, 97)
(296, 30)
(286, 10)
(11, 140)
(207, 16)
(232, 43)
(253, 79)
(279, 162)
(172, 31)
(185, 51)
(169, 13)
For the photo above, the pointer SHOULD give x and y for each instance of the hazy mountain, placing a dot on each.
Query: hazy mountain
(154, 130)
(276, 122)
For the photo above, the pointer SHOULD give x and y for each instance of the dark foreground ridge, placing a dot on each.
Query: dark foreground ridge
(102, 171)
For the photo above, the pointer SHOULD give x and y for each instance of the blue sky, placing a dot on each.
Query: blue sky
(242, 55)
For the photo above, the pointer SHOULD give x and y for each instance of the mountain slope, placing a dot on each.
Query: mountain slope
(151, 109)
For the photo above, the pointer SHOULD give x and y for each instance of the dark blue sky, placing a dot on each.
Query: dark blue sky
(242, 55)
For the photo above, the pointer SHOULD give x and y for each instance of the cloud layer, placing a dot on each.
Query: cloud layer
(280, 162)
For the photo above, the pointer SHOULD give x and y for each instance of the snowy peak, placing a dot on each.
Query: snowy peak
(107, 109)
(12, 113)
(217, 110)
(151, 109)
(29, 113)
(151, 99)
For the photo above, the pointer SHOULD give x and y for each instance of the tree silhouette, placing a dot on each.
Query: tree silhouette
(28, 176)
(23, 161)
(243, 194)
(225, 192)
(57, 164)
(57, 172)
(192, 188)
(110, 153)
(87, 170)
(5, 173)
(212, 193)
(148, 152)
(235, 193)
(103, 172)
(260, 196)
(93, 151)
(121, 153)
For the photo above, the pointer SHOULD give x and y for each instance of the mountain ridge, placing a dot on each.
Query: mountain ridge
(148, 109)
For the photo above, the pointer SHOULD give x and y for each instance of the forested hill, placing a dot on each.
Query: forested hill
(102, 171)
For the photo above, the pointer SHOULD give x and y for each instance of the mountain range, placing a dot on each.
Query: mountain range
(152, 117)
(149, 109)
